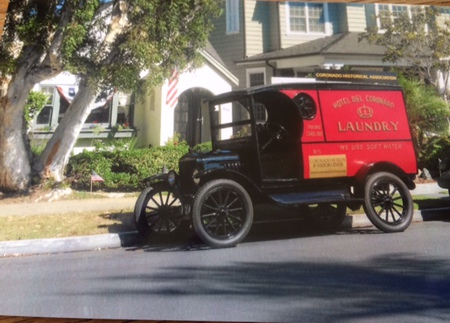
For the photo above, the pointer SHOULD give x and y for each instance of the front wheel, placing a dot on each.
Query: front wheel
(387, 202)
(222, 213)
(158, 209)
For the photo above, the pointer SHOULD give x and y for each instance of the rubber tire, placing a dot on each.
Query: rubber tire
(140, 207)
(205, 195)
(404, 219)
(322, 221)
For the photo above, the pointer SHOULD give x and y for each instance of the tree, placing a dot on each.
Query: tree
(106, 44)
(421, 42)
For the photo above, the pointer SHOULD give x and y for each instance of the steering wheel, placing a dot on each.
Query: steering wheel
(277, 133)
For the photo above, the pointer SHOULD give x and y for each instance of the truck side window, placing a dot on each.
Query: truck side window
(306, 105)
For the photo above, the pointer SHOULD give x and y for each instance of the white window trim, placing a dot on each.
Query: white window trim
(255, 70)
(327, 23)
(377, 13)
(232, 10)
(86, 126)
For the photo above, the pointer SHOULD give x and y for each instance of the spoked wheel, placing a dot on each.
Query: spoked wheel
(327, 216)
(222, 213)
(388, 202)
(158, 209)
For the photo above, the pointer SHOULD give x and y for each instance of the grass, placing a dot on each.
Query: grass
(64, 225)
(92, 223)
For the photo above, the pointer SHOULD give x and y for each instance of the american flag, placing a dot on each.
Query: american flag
(96, 177)
(172, 92)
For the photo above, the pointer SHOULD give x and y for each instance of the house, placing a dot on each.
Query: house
(157, 117)
(254, 42)
(260, 40)
(177, 106)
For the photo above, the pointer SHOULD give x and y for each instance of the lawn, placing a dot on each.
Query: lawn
(64, 225)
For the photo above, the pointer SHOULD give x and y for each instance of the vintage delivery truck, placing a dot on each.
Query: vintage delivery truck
(317, 148)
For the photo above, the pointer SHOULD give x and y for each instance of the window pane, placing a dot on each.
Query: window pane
(256, 79)
(260, 113)
(306, 17)
(297, 16)
(316, 19)
(101, 111)
(234, 121)
(232, 16)
(399, 10)
(45, 116)
(385, 15)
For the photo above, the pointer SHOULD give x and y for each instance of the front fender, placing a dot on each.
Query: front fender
(210, 174)
(171, 178)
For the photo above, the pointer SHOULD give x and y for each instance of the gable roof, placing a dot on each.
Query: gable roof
(341, 44)
(213, 58)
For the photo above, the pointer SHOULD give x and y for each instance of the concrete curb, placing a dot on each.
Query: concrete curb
(120, 240)
(72, 244)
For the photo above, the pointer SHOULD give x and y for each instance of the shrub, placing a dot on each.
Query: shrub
(123, 170)
(435, 149)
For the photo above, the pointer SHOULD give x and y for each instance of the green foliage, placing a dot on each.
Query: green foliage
(36, 101)
(204, 146)
(122, 170)
(435, 149)
(114, 144)
(159, 36)
(422, 41)
(428, 113)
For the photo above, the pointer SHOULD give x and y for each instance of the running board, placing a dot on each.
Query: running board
(328, 196)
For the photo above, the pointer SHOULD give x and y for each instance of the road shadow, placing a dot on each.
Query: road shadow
(271, 223)
(121, 222)
(304, 290)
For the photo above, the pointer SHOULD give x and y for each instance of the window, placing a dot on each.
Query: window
(234, 121)
(389, 12)
(255, 77)
(44, 118)
(232, 16)
(106, 112)
(307, 18)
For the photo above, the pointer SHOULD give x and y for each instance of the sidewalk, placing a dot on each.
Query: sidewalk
(105, 241)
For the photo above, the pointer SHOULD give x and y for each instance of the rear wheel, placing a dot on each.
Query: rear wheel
(327, 216)
(388, 202)
(158, 209)
(222, 213)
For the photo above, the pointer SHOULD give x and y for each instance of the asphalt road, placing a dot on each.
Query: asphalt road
(279, 274)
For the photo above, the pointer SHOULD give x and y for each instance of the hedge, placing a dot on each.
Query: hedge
(122, 170)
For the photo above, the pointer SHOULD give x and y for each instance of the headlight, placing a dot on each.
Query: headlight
(195, 179)
(171, 178)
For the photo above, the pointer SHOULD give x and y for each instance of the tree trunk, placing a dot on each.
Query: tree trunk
(56, 154)
(15, 168)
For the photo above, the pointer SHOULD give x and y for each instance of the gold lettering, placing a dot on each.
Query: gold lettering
(375, 126)
(340, 103)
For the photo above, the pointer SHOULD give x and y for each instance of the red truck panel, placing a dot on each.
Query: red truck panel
(355, 128)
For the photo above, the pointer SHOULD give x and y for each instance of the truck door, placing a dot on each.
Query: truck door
(310, 128)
